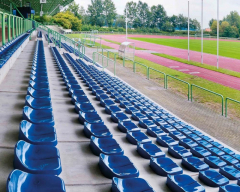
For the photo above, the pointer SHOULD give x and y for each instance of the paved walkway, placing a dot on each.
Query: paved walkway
(213, 76)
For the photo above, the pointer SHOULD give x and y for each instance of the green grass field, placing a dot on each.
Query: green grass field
(200, 96)
(226, 48)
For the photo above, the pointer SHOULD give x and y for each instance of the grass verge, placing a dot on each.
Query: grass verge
(200, 96)
(198, 64)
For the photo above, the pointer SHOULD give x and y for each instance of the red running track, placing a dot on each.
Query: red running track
(213, 76)
(224, 62)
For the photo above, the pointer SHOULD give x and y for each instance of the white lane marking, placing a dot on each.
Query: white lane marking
(194, 72)
(183, 70)
(174, 66)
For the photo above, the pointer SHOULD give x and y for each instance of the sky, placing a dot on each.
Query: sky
(181, 7)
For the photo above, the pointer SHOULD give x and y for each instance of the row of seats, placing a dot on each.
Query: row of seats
(7, 50)
(70, 49)
(198, 152)
(120, 169)
(36, 159)
(39, 34)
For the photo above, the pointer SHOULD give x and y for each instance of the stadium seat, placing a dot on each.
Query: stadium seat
(39, 86)
(177, 135)
(119, 116)
(214, 162)
(230, 188)
(212, 178)
(179, 152)
(127, 126)
(130, 185)
(35, 103)
(200, 152)
(37, 134)
(38, 94)
(229, 159)
(107, 146)
(204, 144)
(155, 132)
(183, 183)
(37, 159)
(165, 166)
(187, 143)
(96, 130)
(90, 117)
(85, 107)
(148, 150)
(216, 151)
(109, 109)
(137, 137)
(117, 166)
(230, 172)
(146, 123)
(166, 141)
(19, 181)
(42, 116)
(79, 99)
(194, 164)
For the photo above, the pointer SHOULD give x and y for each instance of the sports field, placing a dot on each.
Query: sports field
(226, 48)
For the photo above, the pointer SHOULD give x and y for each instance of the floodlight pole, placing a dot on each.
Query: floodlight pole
(217, 33)
(188, 35)
(202, 36)
(126, 23)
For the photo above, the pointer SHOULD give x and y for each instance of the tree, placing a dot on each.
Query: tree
(233, 19)
(95, 11)
(223, 26)
(120, 22)
(167, 26)
(214, 27)
(159, 16)
(75, 9)
(142, 14)
(109, 11)
(231, 31)
(131, 8)
(211, 22)
(174, 20)
(68, 21)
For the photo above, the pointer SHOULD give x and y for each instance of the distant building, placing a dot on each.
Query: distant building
(208, 30)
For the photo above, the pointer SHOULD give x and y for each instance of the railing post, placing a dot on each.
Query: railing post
(60, 43)
(9, 28)
(134, 67)
(226, 107)
(107, 57)
(123, 61)
(114, 64)
(13, 27)
(148, 73)
(48, 36)
(3, 29)
(166, 81)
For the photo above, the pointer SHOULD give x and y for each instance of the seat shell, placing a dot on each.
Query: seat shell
(194, 164)
(19, 181)
(148, 150)
(137, 137)
(212, 178)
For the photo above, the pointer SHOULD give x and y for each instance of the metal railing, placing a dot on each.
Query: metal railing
(226, 104)
(188, 84)
(148, 75)
(103, 56)
(222, 98)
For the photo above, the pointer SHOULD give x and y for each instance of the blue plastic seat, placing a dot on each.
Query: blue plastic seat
(148, 150)
(194, 164)
(42, 116)
(165, 166)
(39, 86)
(77, 92)
(37, 159)
(212, 178)
(137, 116)
(101, 96)
(194, 137)
(104, 102)
(230, 172)
(187, 143)
(107, 146)
(237, 156)
(218, 145)
(230, 188)
(19, 181)
(37, 134)
(84, 107)
(125, 103)
(204, 144)
(166, 141)
(177, 135)
(90, 117)
(214, 162)
(146, 123)
(109, 109)
(137, 137)
(127, 126)
(96, 130)
(228, 151)
(131, 109)
(183, 183)
(200, 152)
(155, 131)
(117, 166)
(179, 152)
(229, 159)
(35, 103)
(79, 99)
(207, 139)
(130, 185)
(119, 116)
(216, 151)
(166, 127)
